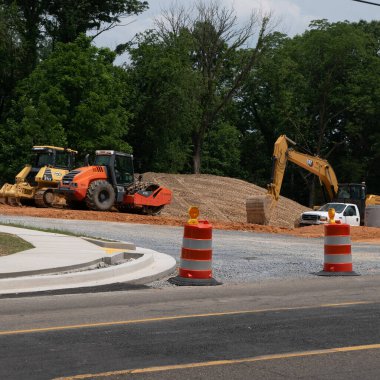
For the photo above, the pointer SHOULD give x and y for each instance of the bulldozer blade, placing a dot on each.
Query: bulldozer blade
(259, 209)
(11, 201)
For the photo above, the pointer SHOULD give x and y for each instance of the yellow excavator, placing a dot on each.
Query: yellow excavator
(259, 208)
(36, 182)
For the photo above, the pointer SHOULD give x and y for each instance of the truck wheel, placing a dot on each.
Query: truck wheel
(100, 196)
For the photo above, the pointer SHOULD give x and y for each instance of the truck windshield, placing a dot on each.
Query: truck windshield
(338, 207)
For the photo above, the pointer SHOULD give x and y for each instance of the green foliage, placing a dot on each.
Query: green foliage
(221, 154)
(321, 89)
(69, 18)
(192, 97)
(191, 68)
(163, 102)
(75, 98)
(11, 54)
(29, 30)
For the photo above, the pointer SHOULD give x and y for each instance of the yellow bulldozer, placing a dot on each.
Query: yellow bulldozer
(259, 208)
(36, 182)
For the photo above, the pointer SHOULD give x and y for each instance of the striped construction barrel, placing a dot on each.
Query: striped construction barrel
(195, 266)
(337, 251)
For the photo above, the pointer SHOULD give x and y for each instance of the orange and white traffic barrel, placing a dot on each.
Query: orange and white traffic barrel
(195, 266)
(337, 251)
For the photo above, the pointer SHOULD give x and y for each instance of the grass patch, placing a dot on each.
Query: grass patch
(12, 244)
(54, 231)
(50, 230)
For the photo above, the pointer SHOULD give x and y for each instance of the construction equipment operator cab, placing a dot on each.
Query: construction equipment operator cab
(353, 193)
(53, 156)
(119, 166)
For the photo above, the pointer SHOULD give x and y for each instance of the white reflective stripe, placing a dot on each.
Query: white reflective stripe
(195, 264)
(197, 243)
(337, 240)
(338, 259)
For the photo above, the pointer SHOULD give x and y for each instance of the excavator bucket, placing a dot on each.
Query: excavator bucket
(259, 209)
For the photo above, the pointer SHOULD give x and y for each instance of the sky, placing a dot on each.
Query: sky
(293, 16)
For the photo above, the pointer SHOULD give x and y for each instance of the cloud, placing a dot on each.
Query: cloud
(287, 14)
(291, 16)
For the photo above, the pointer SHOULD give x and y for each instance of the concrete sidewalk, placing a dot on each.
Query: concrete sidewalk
(60, 261)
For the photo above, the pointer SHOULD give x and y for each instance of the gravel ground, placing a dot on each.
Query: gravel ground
(238, 256)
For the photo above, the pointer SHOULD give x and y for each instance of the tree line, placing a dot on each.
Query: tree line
(202, 92)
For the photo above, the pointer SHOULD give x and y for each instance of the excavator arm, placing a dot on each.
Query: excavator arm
(259, 208)
(318, 166)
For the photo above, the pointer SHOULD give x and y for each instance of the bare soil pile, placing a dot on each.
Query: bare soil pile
(219, 199)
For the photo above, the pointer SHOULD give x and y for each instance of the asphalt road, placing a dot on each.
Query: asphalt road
(286, 330)
(279, 322)
(237, 256)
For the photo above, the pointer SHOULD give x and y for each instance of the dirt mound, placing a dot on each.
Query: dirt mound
(219, 199)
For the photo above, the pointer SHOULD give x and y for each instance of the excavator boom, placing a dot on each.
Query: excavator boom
(318, 166)
(259, 208)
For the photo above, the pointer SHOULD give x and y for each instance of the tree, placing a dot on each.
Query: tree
(221, 153)
(28, 25)
(163, 102)
(216, 43)
(11, 57)
(75, 98)
(42, 23)
(70, 18)
(320, 89)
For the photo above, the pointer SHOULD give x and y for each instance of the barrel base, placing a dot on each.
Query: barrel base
(182, 281)
(324, 273)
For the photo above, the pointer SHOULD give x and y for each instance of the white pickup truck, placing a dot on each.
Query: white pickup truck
(344, 212)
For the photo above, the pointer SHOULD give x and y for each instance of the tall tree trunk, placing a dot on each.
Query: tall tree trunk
(198, 138)
(31, 11)
(197, 142)
(312, 192)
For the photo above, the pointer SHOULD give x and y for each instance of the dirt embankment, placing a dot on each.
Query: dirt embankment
(221, 201)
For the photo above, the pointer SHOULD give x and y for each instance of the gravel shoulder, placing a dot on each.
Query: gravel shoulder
(221, 201)
(358, 234)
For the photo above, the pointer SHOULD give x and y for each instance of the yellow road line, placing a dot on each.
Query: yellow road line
(170, 318)
(110, 251)
(225, 362)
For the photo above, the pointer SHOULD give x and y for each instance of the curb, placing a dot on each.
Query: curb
(144, 265)
(112, 259)
(110, 244)
(150, 266)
